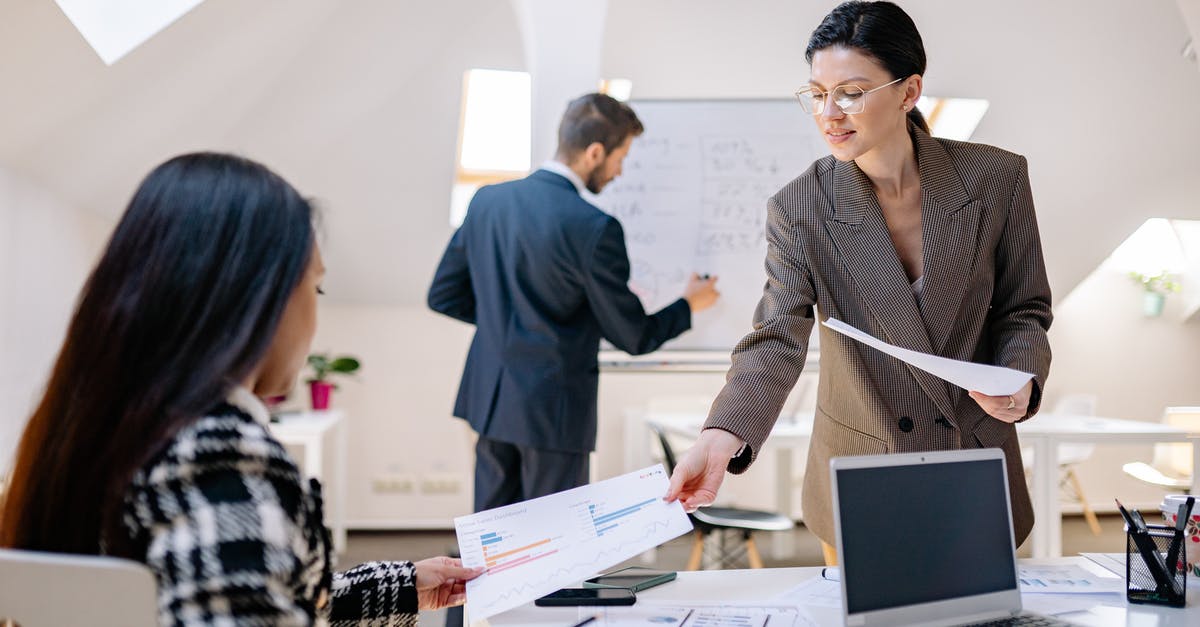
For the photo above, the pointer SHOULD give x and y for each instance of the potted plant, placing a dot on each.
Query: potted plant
(323, 365)
(1156, 287)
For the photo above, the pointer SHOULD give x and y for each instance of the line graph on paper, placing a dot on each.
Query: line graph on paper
(533, 548)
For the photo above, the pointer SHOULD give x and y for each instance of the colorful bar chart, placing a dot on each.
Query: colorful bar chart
(606, 522)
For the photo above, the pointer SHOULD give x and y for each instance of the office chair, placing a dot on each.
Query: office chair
(724, 522)
(1172, 464)
(55, 589)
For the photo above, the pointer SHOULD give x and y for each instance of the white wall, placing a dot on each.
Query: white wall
(47, 250)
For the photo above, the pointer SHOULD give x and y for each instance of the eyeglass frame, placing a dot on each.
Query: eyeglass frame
(808, 90)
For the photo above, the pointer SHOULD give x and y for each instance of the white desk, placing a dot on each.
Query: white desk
(1043, 433)
(321, 436)
(760, 585)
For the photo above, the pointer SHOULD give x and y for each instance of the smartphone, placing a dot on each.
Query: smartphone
(634, 578)
(588, 596)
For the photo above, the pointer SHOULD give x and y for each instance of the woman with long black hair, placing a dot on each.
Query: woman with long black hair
(151, 442)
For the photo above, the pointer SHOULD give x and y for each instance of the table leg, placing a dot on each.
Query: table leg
(1044, 499)
(783, 544)
(341, 449)
(1195, 440)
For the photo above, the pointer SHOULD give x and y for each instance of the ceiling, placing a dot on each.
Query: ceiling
(357, 103)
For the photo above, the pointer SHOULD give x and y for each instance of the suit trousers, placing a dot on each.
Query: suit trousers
(507, 473)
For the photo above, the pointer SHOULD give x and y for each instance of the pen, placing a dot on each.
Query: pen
(586, 620)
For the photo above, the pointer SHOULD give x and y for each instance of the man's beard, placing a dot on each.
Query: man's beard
(595, 181)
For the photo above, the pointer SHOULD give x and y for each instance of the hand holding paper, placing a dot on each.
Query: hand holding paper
(991, 380)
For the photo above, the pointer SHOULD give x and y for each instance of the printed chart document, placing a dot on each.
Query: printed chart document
(991, 380)
(1068, 579)
(534, 548)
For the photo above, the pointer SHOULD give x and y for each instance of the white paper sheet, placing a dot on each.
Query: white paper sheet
(814, 592)
(1112, 562)
(1066, 579)
(1056, 604)
(991, 380)
(735, 614)
(534, 548)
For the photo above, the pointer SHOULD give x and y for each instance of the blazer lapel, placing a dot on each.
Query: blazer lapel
(860, 235)
(949, 238)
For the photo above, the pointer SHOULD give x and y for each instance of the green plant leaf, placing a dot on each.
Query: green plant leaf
(345, 365)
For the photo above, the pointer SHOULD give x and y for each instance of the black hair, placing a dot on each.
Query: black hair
(593, 118)
(182, 306)
(882, 31)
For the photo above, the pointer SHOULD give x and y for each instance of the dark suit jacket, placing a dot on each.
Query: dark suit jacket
(543, 275)
(985, 299)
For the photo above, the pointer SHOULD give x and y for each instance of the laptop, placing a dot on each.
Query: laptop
(926, 539)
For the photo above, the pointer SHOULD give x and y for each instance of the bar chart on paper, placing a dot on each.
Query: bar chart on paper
(533, 548)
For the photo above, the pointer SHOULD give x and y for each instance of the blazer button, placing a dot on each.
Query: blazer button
(906, 424)
(941, 420)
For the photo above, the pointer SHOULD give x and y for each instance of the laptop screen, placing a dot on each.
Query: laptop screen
(924, 532)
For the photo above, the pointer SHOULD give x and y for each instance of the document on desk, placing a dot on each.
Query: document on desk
(720, 614)
(815, 592)
(1066, 579)
(991, 380)
(536, 547)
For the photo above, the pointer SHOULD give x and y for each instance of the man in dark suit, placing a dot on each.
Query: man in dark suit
(543, 274)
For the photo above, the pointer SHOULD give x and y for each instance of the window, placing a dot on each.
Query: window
(115, 27)
(494, 134)
(952, 118)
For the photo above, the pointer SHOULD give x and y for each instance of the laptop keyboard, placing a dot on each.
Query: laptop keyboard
(1028, 620)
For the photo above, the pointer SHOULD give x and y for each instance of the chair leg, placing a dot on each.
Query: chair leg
(1088, 514)
(752, 552)
(697, 551)
(829, 552)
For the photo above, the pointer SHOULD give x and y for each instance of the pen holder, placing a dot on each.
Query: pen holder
(1140, 584)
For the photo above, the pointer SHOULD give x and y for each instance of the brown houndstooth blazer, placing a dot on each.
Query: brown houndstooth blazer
(985, 299)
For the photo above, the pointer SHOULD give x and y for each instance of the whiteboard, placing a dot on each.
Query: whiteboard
(693, 197)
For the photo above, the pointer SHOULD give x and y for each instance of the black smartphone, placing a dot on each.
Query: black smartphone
(588, 596)
(634, 578)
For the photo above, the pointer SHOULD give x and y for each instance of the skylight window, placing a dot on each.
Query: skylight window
(495, 136)
(115, 27)
(952, 118)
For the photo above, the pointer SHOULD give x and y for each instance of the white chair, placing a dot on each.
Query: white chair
(54, 589)
(1071, 455)
(1172, 464)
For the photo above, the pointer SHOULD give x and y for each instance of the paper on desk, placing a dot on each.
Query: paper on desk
(1056, 604)
(1112, 562)
(639, 615)
(1067, 579)
(991, 380)
(815, 592)
(735, 614)
(536, 547)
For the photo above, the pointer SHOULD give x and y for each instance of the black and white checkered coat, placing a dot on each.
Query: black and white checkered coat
(985, 299)
(235, 536)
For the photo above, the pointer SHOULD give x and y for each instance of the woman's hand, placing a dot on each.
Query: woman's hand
(1006, 408)
(441, 582)
(700, 471)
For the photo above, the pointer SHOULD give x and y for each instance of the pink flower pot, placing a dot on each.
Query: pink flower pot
(320, 391)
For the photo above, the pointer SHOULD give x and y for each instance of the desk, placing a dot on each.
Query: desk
(762, 584)
(321, 436)
(1043, 433)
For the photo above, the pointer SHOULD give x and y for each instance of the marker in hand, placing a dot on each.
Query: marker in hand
(701, 292)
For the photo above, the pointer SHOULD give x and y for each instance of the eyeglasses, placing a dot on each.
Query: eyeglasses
(850, 99)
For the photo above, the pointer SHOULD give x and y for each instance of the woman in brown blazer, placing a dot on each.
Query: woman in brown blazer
(926, 243)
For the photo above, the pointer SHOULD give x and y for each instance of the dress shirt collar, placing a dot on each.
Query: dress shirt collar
(566, 172)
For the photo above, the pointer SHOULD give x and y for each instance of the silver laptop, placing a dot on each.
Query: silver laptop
(926, 539)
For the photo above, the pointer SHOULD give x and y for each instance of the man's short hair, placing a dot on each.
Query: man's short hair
(595, 118)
